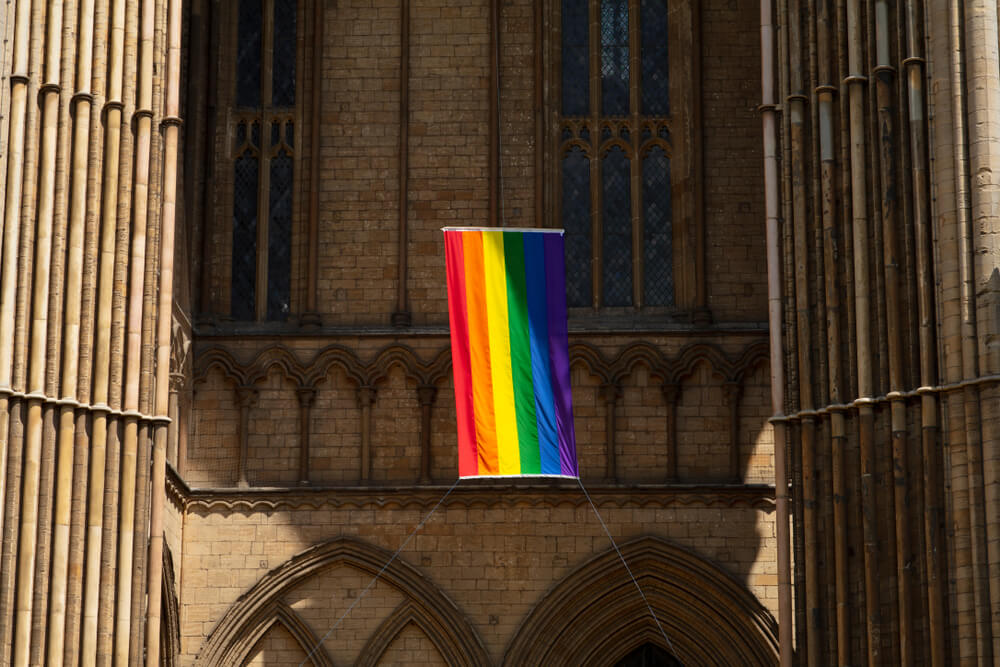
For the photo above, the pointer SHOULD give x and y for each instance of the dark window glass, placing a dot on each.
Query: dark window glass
(657, 241)
(245, 185)
(263, 163)
(283, 68)
(617, 237)
(655, 64)
(279, 231)
(576, 221)
(248, 54)
(633, 232)
(614, 57)
(575, 58)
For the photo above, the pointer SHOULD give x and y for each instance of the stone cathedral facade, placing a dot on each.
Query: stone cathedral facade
(225, 377)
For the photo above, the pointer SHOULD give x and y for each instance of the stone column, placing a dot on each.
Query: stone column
(366, 398)
(426, 394)
(307, 396)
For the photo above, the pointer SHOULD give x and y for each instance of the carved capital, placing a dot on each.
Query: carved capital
(426, 393)
(611, 392)
(401, 319)
(178, 381)
(671, 392)
(246, 396)
(307, 396)
(180, 344)
(731, 392)
(366, 396)
(310, 320)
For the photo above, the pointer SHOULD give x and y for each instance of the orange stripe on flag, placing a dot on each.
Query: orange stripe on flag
(482, 382)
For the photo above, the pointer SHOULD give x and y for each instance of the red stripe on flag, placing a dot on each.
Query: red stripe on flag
(468, 461)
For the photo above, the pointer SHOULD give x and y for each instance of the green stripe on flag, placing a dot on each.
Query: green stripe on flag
(520, 353)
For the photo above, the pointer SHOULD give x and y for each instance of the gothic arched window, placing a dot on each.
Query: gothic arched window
(262, 128)
(622, 145)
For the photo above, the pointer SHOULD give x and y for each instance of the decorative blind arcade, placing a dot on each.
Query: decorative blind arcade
(615, 148)
(263, 156)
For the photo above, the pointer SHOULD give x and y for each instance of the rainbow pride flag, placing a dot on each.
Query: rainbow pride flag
(509, 350)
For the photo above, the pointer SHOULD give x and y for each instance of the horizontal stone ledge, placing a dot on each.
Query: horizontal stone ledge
(468, 493)
(66, 401)
(889, 397)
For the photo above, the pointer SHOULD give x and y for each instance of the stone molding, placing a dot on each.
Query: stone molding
(709, 616)
(468, 494)
(261, 606)
(669, 369)
(408, 612)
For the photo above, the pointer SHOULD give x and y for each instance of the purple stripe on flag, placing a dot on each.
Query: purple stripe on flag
(541, 367)
(555, 289)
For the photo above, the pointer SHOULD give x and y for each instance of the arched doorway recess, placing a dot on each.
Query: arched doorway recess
(649, 655)
(595, 616)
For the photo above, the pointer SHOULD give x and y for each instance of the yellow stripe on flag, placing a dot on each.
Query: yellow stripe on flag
(499, 328)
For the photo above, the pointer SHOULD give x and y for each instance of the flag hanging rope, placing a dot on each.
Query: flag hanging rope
(652, 613)
(379, 573)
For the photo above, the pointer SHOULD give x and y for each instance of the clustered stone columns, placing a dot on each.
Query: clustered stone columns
(86, 254)
(883, 311)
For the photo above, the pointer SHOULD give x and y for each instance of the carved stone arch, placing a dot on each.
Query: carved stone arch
(279, 357)
(585, 146)
(595, 615)
(607, 144)
(439, 369)
(283, 615)
(334, 355)
(689, 358)
(396, 355)
(655, 142)
(229, 642)
(592, 359)
(217, 357)
(396, 622)
(635, 355)
(619, 645)
(753, 356)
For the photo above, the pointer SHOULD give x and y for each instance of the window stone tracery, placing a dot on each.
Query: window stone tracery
(625, 150)
(261, 122)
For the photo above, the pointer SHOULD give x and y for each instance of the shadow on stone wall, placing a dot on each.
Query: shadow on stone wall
(656, 429)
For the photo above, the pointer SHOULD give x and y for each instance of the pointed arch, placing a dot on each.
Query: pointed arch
(590, 357)
(275, 356)
(396, 622)
(261, 606)
(684, 365)
(281, 614)
(595, 614)
(221, 358)
(635, 355)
